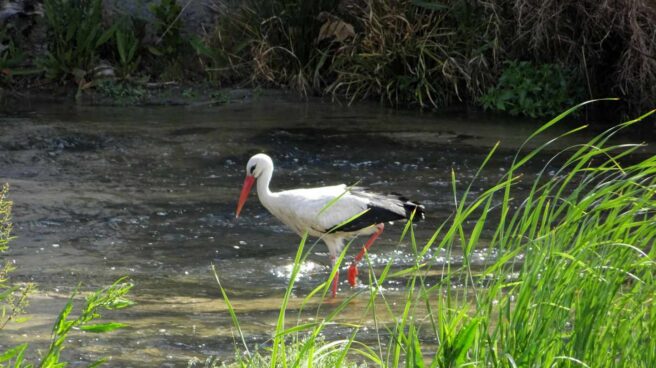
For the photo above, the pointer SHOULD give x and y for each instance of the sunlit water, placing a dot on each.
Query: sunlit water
(150, 193)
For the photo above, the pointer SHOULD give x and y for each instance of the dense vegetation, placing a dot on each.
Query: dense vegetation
(520, 56)
(571, 285)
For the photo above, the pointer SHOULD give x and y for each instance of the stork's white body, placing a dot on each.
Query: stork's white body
(322, 212)
(309, 210)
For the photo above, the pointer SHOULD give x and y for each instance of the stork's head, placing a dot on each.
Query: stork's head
(257, 165)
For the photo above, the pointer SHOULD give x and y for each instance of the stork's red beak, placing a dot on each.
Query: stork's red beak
(245, 189)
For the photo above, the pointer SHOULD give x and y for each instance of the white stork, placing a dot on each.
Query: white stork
(310, 210)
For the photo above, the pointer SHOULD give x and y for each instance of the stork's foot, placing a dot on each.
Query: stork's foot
(353, 268)
(352, 274)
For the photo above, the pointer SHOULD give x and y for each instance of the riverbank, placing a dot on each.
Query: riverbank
(513, 58)
(113, 93)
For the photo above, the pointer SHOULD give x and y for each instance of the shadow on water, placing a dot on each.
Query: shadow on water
(150, 192)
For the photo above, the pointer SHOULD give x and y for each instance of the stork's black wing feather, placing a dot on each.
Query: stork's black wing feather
(381, 208)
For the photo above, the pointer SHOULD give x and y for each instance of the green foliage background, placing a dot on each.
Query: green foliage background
(517, 56)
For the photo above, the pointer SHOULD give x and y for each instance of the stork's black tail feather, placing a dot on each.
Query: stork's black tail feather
(411, 206)
(414, 207)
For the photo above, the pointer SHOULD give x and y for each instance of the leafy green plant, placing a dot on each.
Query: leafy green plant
(109, 298)
(570, 282)
(127, 47)
(533, 90)
(76, 35)
(14, 298)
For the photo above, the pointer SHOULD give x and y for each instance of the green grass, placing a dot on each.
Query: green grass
(572, 283)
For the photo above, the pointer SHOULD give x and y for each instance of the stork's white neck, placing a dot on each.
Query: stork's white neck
(263, 181)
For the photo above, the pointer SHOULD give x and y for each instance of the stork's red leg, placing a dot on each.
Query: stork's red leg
(353, 268)
(335, 284)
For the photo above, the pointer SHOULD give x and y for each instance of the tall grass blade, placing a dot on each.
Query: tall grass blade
(231, 310)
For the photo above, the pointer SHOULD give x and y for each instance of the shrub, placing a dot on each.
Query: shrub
(536, 91)
(402, 52)
(610, 44)
(272, 42)
(418, 53)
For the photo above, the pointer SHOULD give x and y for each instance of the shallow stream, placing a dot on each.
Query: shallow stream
(150, 192)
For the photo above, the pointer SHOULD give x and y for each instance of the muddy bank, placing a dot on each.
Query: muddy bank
(112, 93)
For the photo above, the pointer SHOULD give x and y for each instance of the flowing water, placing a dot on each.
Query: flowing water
(150, 192)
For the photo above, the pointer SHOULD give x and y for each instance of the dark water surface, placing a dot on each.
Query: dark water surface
(150, 192)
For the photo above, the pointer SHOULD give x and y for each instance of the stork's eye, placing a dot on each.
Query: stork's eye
(252, 169)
